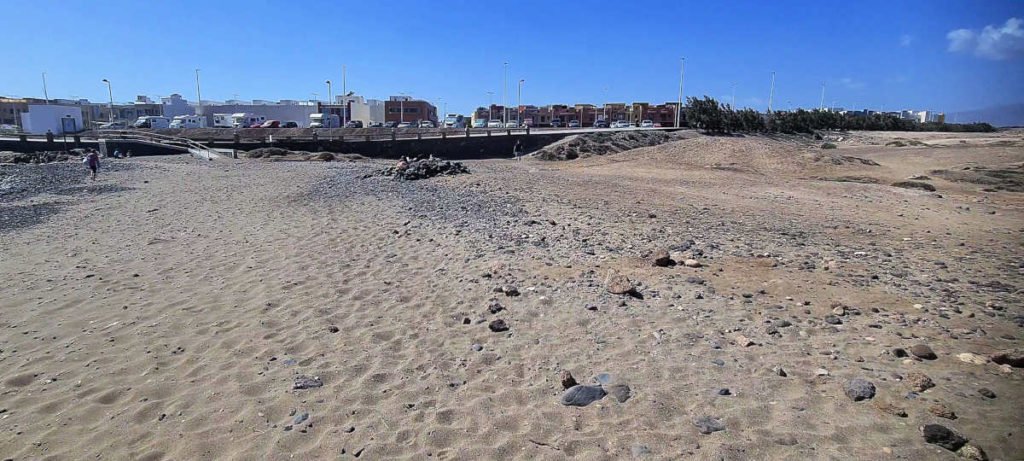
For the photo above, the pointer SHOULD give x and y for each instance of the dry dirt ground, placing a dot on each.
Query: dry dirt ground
(171, 316)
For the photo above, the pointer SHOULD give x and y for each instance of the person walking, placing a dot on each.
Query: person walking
(517, 150)
(92, 160)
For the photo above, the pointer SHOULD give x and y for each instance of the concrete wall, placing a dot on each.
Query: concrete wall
(42, 118)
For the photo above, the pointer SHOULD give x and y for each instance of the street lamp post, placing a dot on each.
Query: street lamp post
(199, 96)
(771, 93)
(46, 94)
(519, 106)
(490, 99)
(679, 103)
(504, 95)
(401, 108)
(110, 92)
(330, 92)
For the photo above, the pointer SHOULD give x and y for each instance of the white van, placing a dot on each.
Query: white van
(246, 120)
(152, 122)
(188, 121)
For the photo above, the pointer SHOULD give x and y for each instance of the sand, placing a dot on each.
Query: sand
(168, 318)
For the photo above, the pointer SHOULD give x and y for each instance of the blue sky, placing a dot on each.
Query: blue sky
(891, 54)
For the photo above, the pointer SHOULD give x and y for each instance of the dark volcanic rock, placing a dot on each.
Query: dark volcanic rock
(423, 169)
(498, 326)
(581, 395)
(987, 393)
(1012, 358)
(859, 389)
(942, 436)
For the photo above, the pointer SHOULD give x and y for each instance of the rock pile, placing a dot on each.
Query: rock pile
(38, 157)
(422, 169)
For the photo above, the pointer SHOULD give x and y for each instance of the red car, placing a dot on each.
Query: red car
(271, 124)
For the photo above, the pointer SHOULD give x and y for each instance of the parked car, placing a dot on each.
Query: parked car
(271, 124)
(390, 124)
(290, 124)
(376, 124)
(601, 124)
(480, 123)
(113, 126)
(574, 124)
(647, 124)
(495, 124)
(354, 124)
(511, 125)
(426, 124)
(555, 123)
(405, 125)
(621, 124)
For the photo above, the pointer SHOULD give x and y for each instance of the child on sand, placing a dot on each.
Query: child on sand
(92, 160)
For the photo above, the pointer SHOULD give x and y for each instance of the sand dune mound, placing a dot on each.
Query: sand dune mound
(586, 145)
(756, 155)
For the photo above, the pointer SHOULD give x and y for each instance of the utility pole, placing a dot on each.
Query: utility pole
(110, 91)
(734, 96)
(401, 108)
(519, 106)
(330, 96)
(679, 103)
(199, 96)
(771, 93)
(46, 94)
(821, 105)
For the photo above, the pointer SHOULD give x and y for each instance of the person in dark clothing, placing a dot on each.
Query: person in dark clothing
(92, 160)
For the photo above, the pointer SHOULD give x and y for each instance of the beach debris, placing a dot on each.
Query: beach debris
(307, 382)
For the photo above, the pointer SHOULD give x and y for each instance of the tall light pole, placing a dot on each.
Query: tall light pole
(519, 106)
(199, 96)
(821, 105)
(344, 91)
(679, 103)
(504, 95)
(401, 108)
(110, 92)
(771, 93)
(46, 94)
(330, 92)
(490, 98)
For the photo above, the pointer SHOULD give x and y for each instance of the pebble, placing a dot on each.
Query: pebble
(833, 320)
(567, 379)
(987, 393)
(477, 348)
(708, 425)
(899, 352)
(922, 351)
(858, 389)
(972, 453)
(691, 263)
(942, 411)
(724, 391)
(891, 409)
(498, 326)
(718, 362)
(942, 436)
(619, 285)
(972, 358)
(779, 371)
(782, 323)
(333, 329)
(307, 382)
(919, 382)
(582, 395)
(300, 418)
(786, 440)
(661, 258)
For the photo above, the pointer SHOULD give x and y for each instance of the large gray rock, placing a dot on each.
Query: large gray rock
(859, 389)
(581, 395)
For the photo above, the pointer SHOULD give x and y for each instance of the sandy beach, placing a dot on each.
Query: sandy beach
(252, 309)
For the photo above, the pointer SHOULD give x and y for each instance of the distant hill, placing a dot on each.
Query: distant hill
(1008, 115)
